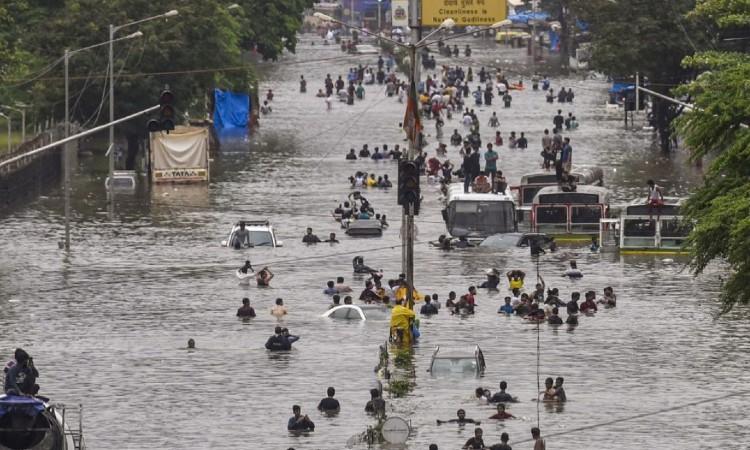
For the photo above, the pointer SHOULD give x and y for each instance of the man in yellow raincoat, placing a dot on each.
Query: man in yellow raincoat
(401, 320)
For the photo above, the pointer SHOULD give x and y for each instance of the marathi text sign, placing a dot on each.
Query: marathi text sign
(464, 12)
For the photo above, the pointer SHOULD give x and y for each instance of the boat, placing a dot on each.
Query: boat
(570, 215)
(639, 230)
(357, 312)
(30, 423)
(461, 361)
(476, 216)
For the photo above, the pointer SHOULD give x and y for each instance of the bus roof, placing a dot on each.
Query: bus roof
(582, 195)
(456, 193)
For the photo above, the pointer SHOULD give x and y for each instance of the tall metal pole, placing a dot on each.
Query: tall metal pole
(414, 23)
(637, 93)
(7, 119)
(23, 125)
(111, 146)
(379, 14)
(66, 155)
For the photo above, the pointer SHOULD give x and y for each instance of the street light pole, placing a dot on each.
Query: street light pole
(23, 119)
(112, 30)
(66, 149)
(379, 14)
(66, 155)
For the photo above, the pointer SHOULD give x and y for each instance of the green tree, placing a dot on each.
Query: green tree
(651, 37)
(271, 26)
(718, 127)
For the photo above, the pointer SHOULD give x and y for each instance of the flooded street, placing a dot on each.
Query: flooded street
(108, 324)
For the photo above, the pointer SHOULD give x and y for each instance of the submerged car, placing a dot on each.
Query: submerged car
(457, 361)
(364, 227)
(261, 234)
(358, 312)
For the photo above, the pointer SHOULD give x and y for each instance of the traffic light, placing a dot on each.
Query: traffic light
(166, 119)
(408, 185)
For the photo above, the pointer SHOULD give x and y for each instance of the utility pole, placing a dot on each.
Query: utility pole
(408, 238)
(66, 154)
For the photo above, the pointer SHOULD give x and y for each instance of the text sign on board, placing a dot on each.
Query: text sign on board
(464, 12)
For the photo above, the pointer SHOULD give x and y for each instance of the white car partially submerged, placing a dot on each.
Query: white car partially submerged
(260, 234)
(358, 312)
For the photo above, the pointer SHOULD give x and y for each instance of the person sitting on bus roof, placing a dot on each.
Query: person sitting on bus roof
(481, 184)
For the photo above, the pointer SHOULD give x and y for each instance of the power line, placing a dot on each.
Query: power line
(641, 416)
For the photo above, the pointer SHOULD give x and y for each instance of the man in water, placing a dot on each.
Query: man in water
(332, 239)
(351, 155)
(402, 318)
(554, 318)
(341, 287)
(493, 279)
(461, 419)
(610, 299)
(330, 288)
(476, 442)
(298, 422)
(558, 121)
(310, 238)
(302, 84)
(539, 443)
(503, 445)
(515, 278)
(502, 396)
(329, 405)
(573, 272)
(572, 305)
(279, 310)
(589, 304)
(501, 414)
(376, 405)
(559, 391)
(428, 308)
(241, 237)
(507, 308)
(191, 344)
(245, 310)
(247, 267)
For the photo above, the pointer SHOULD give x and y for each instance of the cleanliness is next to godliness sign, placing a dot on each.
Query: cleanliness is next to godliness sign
(464, 12)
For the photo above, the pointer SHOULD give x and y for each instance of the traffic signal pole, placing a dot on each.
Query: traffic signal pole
(408, 236)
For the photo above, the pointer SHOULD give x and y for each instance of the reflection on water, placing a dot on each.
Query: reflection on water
(106, 326)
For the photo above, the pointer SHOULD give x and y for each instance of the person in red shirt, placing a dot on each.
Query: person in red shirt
(501, 414)
(589, 305)
(470, 296)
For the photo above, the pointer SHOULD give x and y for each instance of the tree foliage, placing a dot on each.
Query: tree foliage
(203, 47)
(717, 127)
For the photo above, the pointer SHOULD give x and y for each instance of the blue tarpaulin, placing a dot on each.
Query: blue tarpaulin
(230, 109)
(525, 17)
(15, 403)
(621, 88)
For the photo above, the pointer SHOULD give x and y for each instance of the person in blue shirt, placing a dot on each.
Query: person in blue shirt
(507, 308)
(363, 214)
(298, 422)
(331, 289)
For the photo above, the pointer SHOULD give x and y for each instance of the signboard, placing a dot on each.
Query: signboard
(464, 12)
(181, 175)
(400, 13)
(180, 156)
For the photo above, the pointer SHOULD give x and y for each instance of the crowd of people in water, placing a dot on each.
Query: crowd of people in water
(448, 94)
